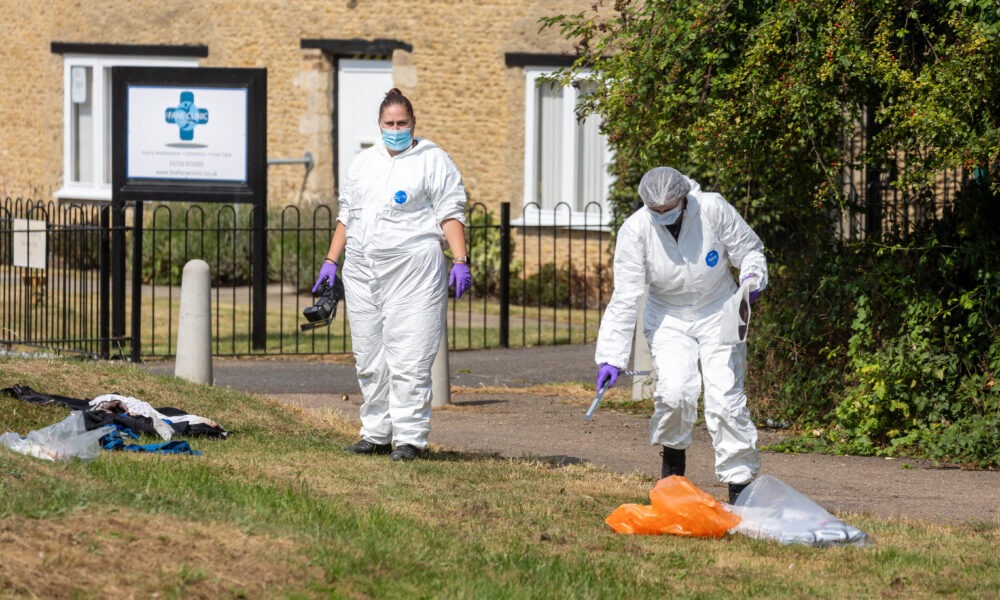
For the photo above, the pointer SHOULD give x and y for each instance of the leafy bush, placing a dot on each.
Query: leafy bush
(559, 287)
(891, 349)
(298, 240)
(175, 233)
(483, 243)
(222, 236)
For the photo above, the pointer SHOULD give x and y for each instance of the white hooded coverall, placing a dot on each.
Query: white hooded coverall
(395, 283)
(689, 281)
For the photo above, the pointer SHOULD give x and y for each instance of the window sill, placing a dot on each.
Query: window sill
(83, 193)
(561, 218)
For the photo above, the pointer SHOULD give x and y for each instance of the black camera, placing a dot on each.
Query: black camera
(325, 308)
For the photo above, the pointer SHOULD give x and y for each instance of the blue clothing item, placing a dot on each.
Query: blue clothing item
(124, 431)
(114, 441)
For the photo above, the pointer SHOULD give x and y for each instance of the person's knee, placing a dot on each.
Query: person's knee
(675, 393)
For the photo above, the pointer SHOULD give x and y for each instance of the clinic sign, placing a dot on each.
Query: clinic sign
(193, 135)
(189, 134)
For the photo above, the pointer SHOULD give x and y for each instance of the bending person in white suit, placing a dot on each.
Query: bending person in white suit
(682, 244)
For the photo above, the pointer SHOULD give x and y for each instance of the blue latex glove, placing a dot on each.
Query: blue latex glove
(327, 271)
(461, 278)
(754, 294)
(605, 373)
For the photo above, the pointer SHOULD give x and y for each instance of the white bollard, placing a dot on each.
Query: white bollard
(441, 370)
(642, 359)
(194, 327)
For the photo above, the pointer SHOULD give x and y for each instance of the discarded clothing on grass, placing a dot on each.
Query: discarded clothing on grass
(70, 438)
(23, 392)
(135, 414)
(104, 423)
(115, 440)
(164, 424)
(678, 508)
(64, 440)
(772, 509)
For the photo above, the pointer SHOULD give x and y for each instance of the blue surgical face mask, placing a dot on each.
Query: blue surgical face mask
(397, 140)
(669, 217)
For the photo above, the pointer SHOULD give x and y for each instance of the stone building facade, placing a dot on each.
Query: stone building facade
(467, 65)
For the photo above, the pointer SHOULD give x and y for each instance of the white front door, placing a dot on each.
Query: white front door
(361, 86)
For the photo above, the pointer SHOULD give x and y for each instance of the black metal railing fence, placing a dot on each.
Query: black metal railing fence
(534, 283)
(543, 278)
(52, 291)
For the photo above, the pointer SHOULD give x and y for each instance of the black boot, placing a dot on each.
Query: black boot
(405, 452)
(365, 447)
(673, 462)
(734, 491)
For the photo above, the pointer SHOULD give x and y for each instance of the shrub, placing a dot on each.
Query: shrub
(483, 244)
(559, 287)
(891, 349)
(297, 244)
(222, 236)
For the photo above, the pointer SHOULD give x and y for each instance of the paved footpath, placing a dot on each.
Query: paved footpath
(534, 423)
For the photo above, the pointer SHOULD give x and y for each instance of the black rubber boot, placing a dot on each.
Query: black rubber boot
(673, 462)
(734, 491)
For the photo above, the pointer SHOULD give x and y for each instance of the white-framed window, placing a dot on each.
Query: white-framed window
(566, 161)
(87, 120)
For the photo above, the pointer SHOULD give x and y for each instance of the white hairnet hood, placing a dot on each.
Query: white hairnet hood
(663, 187)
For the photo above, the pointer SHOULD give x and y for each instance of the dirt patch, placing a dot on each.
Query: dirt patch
(128, 555)
(547, 422)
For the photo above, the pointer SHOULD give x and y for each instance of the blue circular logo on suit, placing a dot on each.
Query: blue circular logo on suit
(712, 258)
(399, 197)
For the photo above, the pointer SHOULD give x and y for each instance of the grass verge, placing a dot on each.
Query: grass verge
(277, 510)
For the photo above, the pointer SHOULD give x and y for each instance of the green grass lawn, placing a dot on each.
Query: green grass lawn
(278, 510)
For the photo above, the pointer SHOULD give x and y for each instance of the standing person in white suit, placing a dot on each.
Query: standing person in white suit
(403, 199)
(682, 244)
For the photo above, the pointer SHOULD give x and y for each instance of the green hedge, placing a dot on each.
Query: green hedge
(891, 348)
(221, 235)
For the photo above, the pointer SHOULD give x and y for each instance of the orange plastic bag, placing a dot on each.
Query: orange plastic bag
(634, 518)
(678, 508)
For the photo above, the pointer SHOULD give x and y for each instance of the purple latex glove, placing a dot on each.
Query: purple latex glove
(327, 271)
(607, 373)
(754, 294)
(461, 278)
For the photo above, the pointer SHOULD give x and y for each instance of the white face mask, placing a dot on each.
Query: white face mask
(669, 217)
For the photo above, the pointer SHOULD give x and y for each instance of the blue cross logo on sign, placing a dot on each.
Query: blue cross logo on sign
(186, 115)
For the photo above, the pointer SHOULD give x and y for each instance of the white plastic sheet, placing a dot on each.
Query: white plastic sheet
(771, 509)
(736, 314)
(66, 439)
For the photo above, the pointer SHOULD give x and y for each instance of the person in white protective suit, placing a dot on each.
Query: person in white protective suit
(402, 200)
(682, 245)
